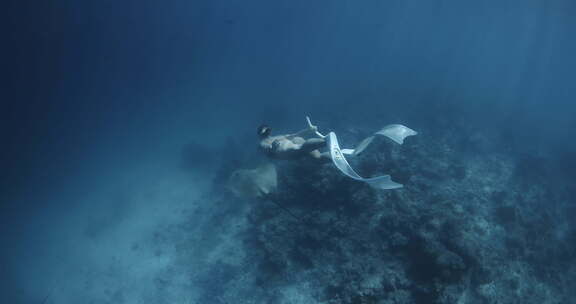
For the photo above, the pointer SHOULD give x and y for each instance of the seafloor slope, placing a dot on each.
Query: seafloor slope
(477, 222)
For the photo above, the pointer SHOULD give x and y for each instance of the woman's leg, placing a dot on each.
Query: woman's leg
(294, 151)
(313, 144)
(323, 157)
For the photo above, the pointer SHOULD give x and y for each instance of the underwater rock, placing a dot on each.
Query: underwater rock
(451, 241)
(466, 228)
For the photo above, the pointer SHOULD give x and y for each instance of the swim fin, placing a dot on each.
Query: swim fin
(380, 182)
(396, 132)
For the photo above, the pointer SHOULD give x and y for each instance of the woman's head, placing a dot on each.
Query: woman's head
(264, 131)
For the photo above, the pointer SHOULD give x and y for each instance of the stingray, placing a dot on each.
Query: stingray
(253, 183)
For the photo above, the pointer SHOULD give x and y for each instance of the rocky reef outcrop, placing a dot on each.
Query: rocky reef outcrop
(475, 223)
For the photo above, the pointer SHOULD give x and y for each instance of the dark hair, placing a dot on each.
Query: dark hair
(263, 130)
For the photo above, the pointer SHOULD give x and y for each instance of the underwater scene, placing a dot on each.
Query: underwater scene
(288, 152)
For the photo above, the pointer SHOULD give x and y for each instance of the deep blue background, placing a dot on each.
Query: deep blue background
(92, 86)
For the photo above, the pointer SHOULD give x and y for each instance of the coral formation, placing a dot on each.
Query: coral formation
(474, 224)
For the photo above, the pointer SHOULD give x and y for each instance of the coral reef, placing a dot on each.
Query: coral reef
(475, 223)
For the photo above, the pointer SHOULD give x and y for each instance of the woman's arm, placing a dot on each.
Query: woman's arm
(311, 129)
(300, 133)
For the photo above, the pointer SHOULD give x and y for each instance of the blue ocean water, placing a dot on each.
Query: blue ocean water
(121, 122)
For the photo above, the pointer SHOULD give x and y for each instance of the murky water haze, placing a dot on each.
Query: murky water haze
(102, 98)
